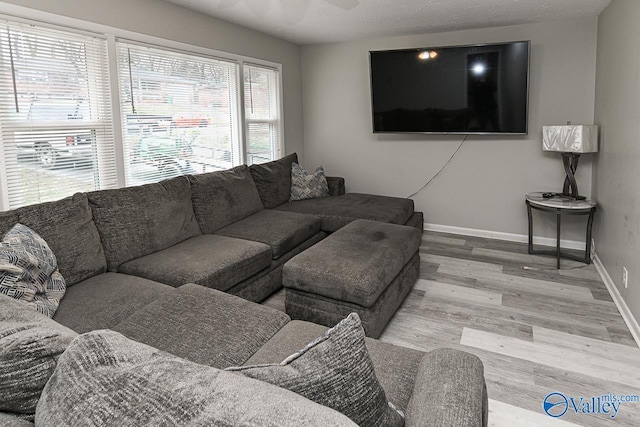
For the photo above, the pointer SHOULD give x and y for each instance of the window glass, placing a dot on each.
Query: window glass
(55, 114)
(179, 113)
(262, 114)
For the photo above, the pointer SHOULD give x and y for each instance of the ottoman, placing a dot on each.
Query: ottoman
(367, 267)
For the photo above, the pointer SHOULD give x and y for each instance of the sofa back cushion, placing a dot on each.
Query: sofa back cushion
(7, 220)
(273, 180)
(68, 228)
(224, 197)
(138, 221)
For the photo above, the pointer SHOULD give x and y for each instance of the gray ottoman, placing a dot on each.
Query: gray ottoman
(367, 267)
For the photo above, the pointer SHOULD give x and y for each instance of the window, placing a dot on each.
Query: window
(179, 113)
(262, 114)
(179, 109)
(55, 114)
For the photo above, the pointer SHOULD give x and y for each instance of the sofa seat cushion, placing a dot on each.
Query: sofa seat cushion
(273, 180)
(204, 325)
(223, 197)
(337, 211)
(217, 262)
(259, 287)
(68, 228)
(102, 301)
(281, 230)
(395, 367)
(141, 220)
(105, 379)
(355, 264)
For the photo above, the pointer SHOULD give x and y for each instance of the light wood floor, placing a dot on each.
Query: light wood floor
(536, 329)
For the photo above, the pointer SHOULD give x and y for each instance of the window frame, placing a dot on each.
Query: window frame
(112, 34)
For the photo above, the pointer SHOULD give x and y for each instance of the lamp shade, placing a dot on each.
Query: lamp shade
(570, 138)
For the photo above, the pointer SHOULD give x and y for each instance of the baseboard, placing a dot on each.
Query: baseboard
(544, 241)
(623, 308)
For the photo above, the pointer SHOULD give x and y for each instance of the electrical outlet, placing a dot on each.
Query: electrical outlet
(625, 276)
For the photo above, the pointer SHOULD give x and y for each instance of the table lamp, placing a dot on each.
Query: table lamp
(571, 141)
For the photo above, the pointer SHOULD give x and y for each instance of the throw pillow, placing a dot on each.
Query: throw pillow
(30, 344)
(307, 186)
(29, 270)
(334, 370)
(106, 379)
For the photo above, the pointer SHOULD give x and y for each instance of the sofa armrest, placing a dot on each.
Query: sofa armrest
(449, 391)
(336, 185)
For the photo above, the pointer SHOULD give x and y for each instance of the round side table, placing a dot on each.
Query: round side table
(561, 206)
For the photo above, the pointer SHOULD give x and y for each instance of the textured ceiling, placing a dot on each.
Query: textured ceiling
(322, 21)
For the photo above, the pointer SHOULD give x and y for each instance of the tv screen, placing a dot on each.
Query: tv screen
(460, 89)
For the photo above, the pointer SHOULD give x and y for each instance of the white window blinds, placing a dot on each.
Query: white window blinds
(262, 114)
(55, 114)
(179, 113)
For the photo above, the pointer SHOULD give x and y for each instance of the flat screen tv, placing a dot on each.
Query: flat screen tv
(475, 89)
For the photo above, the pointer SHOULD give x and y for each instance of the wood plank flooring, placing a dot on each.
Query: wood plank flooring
(536, 329)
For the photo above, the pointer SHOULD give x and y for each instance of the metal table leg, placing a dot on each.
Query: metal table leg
(558, 216)
(530, 228)
(587, 251)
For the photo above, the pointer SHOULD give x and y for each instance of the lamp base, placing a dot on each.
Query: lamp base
(570, 187)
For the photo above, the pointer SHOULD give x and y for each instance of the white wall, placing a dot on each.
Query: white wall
(162, 19)
(616, 171)
(484, 186)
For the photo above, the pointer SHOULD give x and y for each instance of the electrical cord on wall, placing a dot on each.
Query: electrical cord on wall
(442, 168)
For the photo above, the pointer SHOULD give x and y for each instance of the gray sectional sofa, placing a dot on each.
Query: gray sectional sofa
(129, 255)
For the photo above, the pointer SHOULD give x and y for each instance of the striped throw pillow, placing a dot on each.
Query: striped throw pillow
(29, 270)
